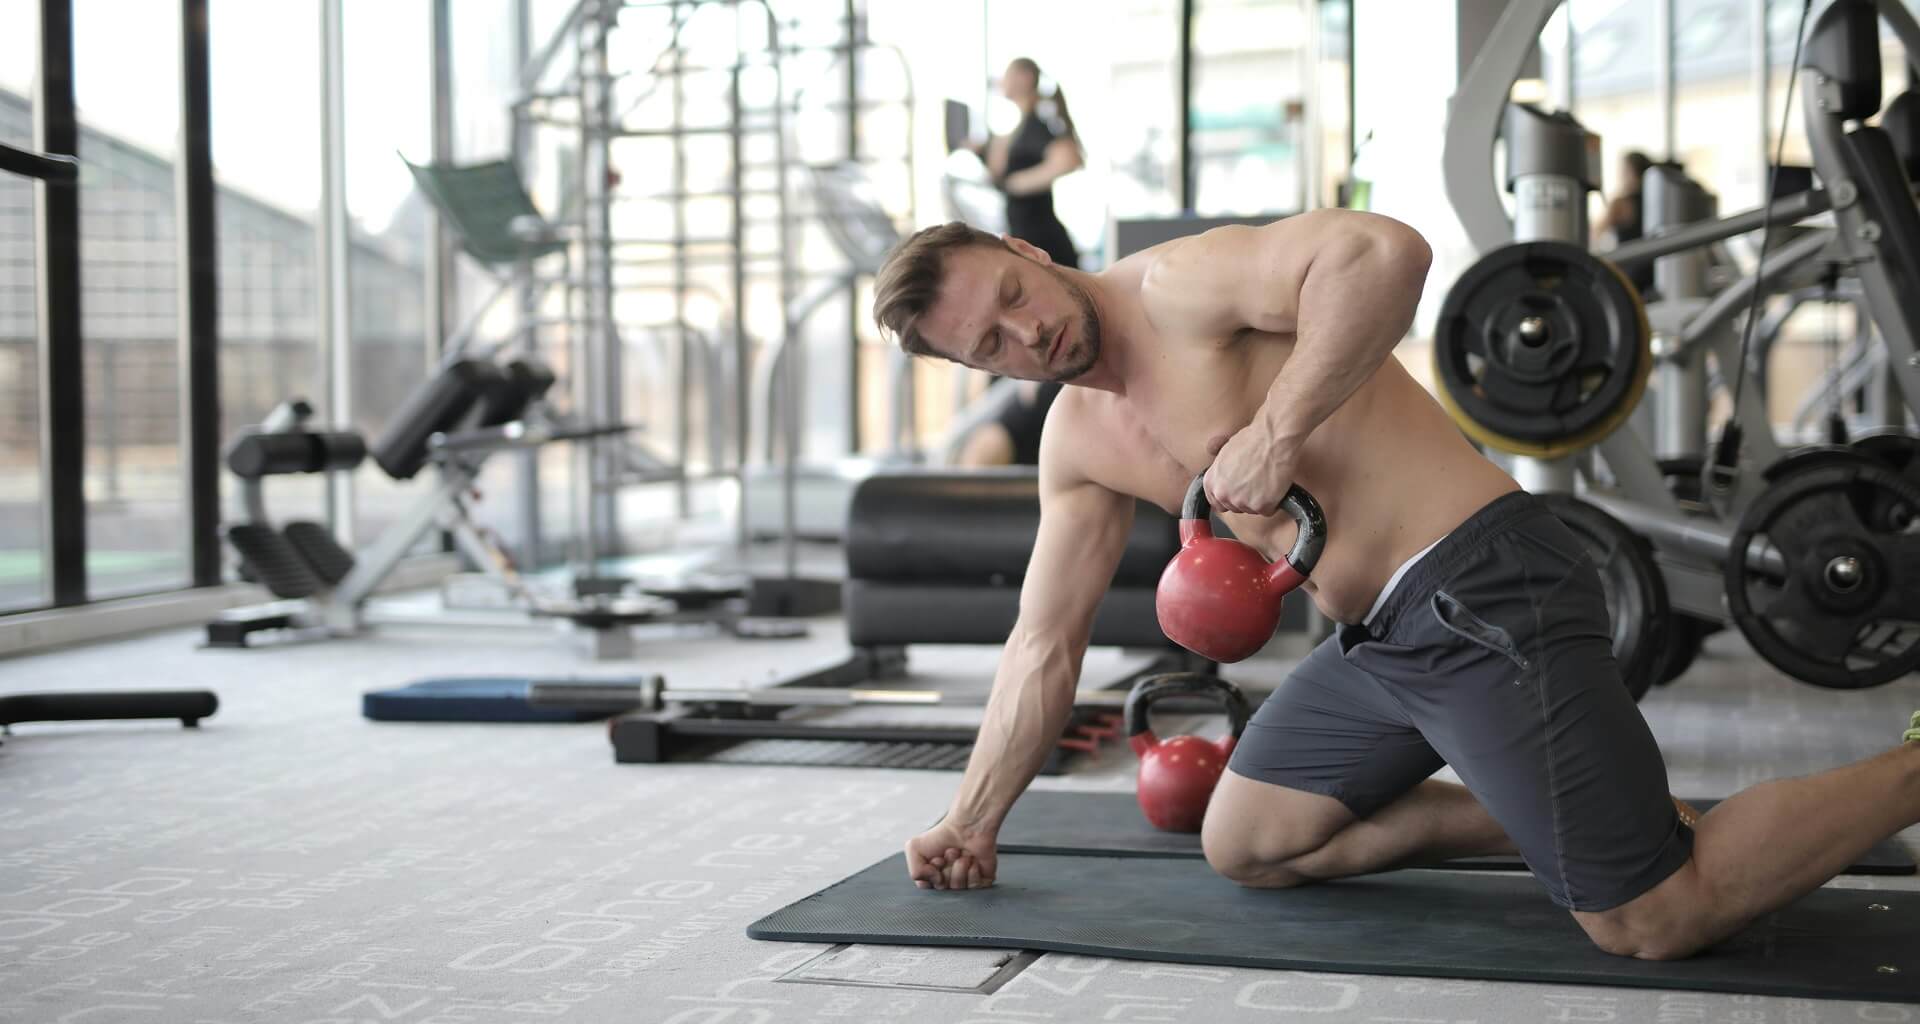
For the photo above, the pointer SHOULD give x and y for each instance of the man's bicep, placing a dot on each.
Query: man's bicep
(1083, 534)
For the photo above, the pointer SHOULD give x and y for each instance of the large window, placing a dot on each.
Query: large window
(389, 89)
(1334, 86)
(266, 157)
(1125, 99)
(130, 284)
(1252, 67)
(23, 576)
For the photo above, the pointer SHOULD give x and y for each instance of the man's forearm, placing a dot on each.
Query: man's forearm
(1352, 313)
(1032, 699)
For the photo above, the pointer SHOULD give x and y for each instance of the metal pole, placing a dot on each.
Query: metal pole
(854, 34)
(527, 463)
(743, 352)
(1663, 74)
(1353, 119)
(609, 456)
(680, 239)
(1188, 187)
(443, 307)
(790, 349)
(1310, 148)
(1762, 89)
(200, 287)
(336, 340)
(63, 453)
(1563, 88)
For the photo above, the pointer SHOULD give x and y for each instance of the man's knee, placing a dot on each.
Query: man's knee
(1264, 855)
(1238, 862)
(1672, 921)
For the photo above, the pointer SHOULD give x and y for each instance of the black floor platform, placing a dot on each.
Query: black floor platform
(1833, 944)
(1110, 825)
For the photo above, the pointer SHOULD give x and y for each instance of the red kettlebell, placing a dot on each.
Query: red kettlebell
(1220, 598)
(1177, 775)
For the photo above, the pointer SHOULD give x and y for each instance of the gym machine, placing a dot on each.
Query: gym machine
(1542, 352)
(451, 425)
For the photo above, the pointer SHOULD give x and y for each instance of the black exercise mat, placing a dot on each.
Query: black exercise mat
(1110, 825)
(1832, 944)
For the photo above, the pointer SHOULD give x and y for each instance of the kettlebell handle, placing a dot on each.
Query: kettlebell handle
(1153, 689)
(1302, 506)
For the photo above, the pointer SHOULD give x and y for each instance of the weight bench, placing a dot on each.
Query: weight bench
(453, 422)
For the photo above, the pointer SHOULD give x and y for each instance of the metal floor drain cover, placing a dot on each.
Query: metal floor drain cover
(933, 968)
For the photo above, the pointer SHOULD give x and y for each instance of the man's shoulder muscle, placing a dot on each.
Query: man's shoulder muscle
(1185, 291)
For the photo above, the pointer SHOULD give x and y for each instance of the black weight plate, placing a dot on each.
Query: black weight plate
(1896, 448)
(1900, 452)
(1810, 621)
(1685, 634)
(1585, 363)
(1635, 591)
(1814, 455)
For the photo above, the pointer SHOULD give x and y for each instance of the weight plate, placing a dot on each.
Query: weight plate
(1841, 609)
(1541, 349)
(1814, 455)
(1897, 448)
(1636, 593)
(1685, 634)
(1900, 452)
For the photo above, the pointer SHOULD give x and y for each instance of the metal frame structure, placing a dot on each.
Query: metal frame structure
(1691, 319)
(56, 132)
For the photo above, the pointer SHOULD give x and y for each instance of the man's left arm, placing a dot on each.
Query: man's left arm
(1345, 284)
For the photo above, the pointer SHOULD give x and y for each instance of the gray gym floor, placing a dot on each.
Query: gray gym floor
(291, 861)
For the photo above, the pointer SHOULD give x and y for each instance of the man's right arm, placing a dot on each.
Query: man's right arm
(1083, 533)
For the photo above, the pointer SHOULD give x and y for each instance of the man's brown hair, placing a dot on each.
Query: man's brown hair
(910, 280)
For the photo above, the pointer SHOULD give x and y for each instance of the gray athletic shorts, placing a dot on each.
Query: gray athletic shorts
(1491, 655)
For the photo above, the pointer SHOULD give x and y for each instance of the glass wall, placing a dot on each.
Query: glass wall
(945, 47)
(1334, 89)
(1124, 95)
(389, 91)
(130, 283)
(266, 159)
(23, 578)
(1252, 68)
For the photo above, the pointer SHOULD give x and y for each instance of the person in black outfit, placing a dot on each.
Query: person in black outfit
(1044, 148)
(1025, 164)
(1623, 218)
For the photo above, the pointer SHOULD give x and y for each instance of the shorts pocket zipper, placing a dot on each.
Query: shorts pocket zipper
(1457, 619)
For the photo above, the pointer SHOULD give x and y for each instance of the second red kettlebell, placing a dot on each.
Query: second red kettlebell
(1177, 775)
(1220, 598)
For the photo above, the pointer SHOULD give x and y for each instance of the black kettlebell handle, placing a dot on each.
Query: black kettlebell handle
(1303, 507)
(1153, 689)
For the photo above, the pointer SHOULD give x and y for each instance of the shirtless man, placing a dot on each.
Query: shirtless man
(1471, 630)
